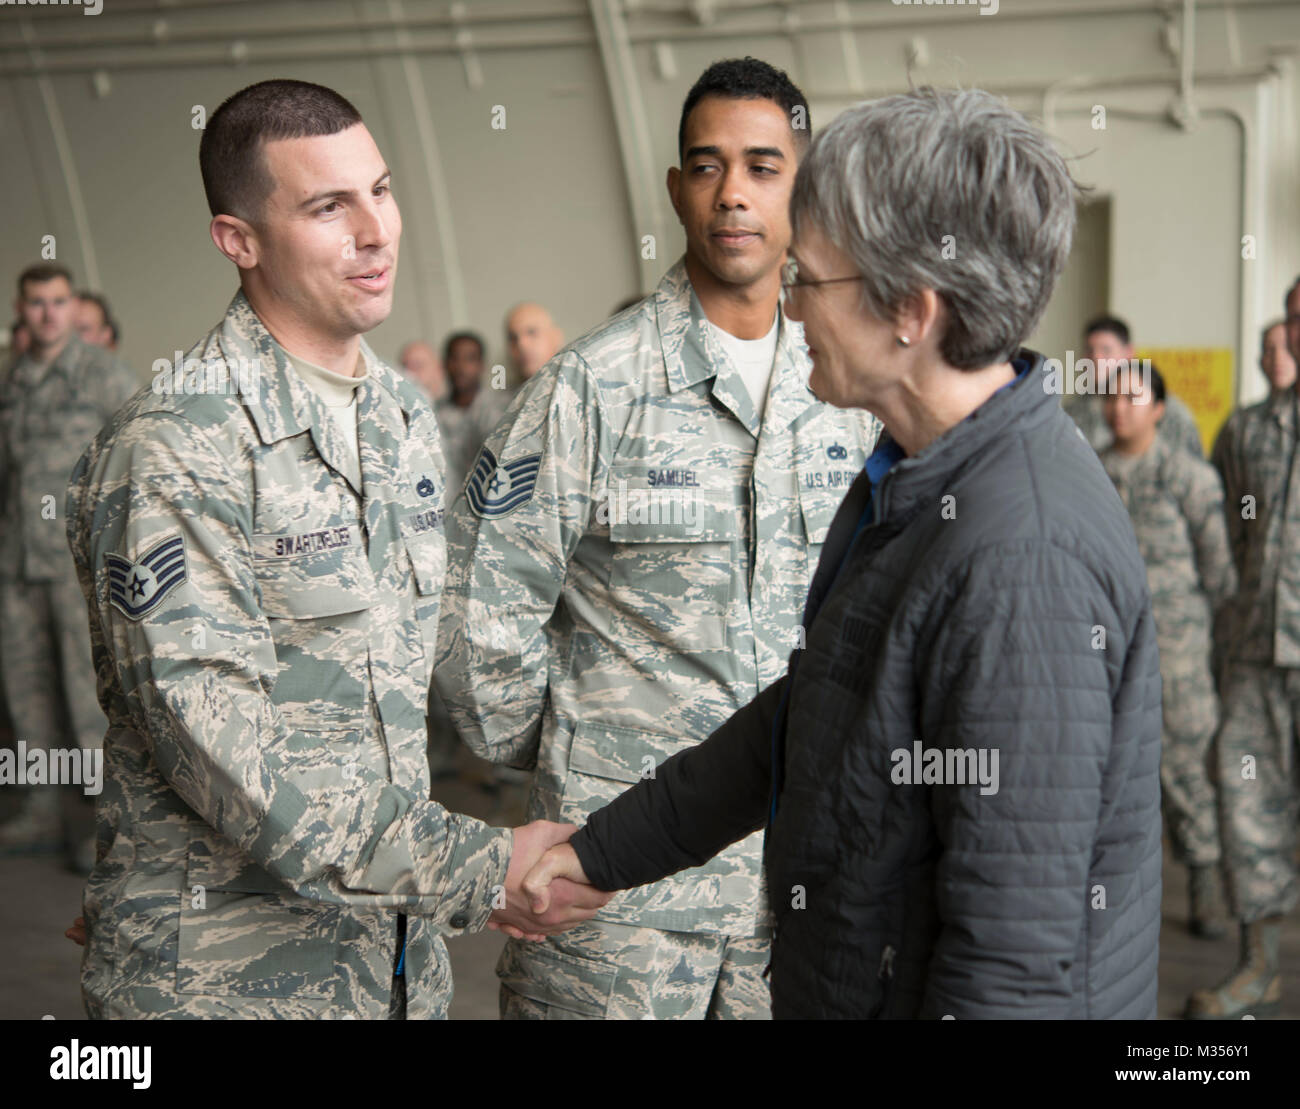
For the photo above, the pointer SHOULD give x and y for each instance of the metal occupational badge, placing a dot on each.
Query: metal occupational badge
(496, 490)
(137, 588)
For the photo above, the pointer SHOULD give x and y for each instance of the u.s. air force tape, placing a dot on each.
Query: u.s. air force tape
(496, 489)
(136, 588)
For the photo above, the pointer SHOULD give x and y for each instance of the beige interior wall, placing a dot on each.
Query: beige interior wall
(99, 151)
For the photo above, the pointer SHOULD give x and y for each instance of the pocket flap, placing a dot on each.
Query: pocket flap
(428, 562)
(643, 513)
(818, 507)
(540, 973)
(313, 574)
(610, 751)
(229, 871)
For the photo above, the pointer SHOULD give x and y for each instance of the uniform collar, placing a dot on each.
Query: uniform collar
(29, 371)
(1128, 467)
(692, 355)
(282, 404)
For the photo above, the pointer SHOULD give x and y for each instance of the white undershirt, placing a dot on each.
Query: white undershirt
(754, 359)
(339, 395)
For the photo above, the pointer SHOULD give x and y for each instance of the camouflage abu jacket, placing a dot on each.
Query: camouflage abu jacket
(627, 566)
(263, 634)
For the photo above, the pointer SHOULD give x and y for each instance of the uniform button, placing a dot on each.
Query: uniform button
(460, 920)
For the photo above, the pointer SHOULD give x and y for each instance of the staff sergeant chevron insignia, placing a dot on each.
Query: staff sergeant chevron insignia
(137, 588)
(495, 490)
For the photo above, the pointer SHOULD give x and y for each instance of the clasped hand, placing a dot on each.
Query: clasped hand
(546, 889)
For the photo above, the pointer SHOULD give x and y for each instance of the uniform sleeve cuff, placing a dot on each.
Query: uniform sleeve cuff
(476, 876)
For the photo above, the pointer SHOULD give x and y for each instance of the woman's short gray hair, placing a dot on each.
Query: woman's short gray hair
(948, 190)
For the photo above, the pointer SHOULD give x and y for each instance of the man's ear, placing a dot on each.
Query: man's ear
(236, 239)
(674, 184)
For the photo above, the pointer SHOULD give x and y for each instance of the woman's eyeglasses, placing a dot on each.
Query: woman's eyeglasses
(790, 278)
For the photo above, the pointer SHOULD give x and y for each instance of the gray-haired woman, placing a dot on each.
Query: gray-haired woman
(959, 772)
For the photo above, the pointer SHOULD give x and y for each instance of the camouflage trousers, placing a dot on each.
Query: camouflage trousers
(1188, 794)
(1259, 788)
(49, 680)
(605, 971)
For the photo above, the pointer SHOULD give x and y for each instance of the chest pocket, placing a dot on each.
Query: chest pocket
(675, 556)
(313, 574)
(817, 507)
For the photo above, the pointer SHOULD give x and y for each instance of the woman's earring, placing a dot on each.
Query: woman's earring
(903, 341)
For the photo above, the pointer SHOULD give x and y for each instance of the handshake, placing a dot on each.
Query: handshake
(546, 890)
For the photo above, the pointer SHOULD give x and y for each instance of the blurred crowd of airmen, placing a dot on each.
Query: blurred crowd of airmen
(1219, 543)
(596, 564)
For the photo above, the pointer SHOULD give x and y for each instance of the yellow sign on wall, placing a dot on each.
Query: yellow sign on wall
(1202, 378)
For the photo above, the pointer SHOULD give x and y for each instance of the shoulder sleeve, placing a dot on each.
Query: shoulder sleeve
(525, 507)
(161, 536)
(116, 387)
(1203, 508)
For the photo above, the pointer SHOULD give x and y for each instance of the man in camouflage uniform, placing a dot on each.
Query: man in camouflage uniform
(1257, 751)
(1176, 504)
(467, 416)
(53, 400)
(629, 563)
(264, 574)
(1279, 370)
(1106, 342)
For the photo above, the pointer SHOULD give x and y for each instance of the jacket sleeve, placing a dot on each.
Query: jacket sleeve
(1017, 672)
(509, 542)
(701, 800)
(201, 701)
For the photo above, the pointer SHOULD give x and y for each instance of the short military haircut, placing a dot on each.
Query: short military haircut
(40, 273)
(101, 302)
(236, 179)
(748, 79)
(1112, 324)
(462, 337)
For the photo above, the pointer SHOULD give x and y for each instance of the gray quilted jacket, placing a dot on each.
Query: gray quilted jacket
(965, 818)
